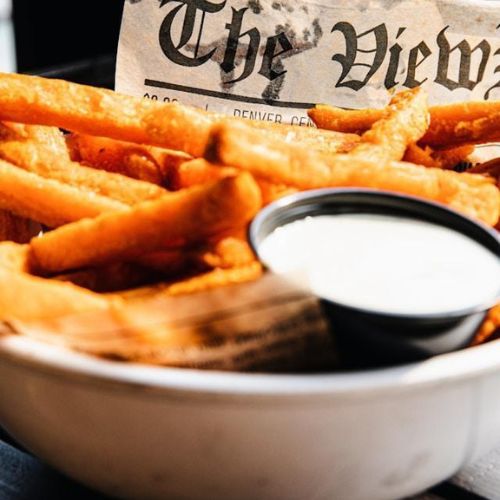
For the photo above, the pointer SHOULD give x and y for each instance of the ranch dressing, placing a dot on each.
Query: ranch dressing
(385, 263)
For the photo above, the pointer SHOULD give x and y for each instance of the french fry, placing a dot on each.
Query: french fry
(272, 191)
(196, 172)
(450, 158)
(14, 257)
(421, 156)
(37, 298)
(104, 113)
(187, 216)
(293, 165)
(39, 160)
(323, 141)
(144, 163)
(444, 158)
(490, 327)
(404, 123)
(47, 201)
(443, 130)
(50, 137)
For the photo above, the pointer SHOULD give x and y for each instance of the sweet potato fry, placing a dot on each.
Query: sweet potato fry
(39, 160)
(196, 172)
(443, 131)
(144, 163)
(293, 165)
(48, 201)
(187, 216)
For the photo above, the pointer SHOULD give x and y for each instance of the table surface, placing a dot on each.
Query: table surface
(23, 477)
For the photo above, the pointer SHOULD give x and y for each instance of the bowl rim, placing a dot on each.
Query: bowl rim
(55, 361)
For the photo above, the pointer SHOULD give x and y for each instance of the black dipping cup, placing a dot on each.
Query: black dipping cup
(367, 338)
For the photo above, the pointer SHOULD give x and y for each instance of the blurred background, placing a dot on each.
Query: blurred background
(39, 36)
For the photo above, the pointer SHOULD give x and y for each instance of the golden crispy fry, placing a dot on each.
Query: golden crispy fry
(100, 112)
(145, 163)
(405, 122)
(196, 172)
(48, 201)
(450, 158)
(443, 129)
(187, 216)
(441, 158)
(44, 161)
(485, 129)
(421, 156)
(296, 166)
(490, 327)
(231, 251)
(17, 229)
(51, 137)
(37, 298)
(14, 256)
(349, 121)
(272, 191)
(104, 113)
(323, 141)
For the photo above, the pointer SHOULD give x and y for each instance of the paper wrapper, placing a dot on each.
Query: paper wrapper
(268, 325)
(274, 59)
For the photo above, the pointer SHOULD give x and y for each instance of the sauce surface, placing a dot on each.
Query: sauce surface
(384, 263)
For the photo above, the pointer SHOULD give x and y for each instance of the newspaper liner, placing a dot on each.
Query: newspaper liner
(274, 59)
(272, 324)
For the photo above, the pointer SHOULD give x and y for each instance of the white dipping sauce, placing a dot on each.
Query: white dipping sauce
(385, 263)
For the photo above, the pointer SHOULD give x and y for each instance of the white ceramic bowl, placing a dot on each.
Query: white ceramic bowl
(147, 432)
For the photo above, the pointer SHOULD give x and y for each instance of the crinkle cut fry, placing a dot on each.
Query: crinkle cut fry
(42, 161)
(442, 131)
(187, 216)
(278, 162)
(47, 201)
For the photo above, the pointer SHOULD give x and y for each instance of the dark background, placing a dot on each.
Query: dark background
(52, 33)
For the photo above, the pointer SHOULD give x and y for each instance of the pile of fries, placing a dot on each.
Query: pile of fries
(107, 200)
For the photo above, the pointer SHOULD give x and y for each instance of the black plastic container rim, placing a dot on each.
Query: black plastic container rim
(314, 202)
